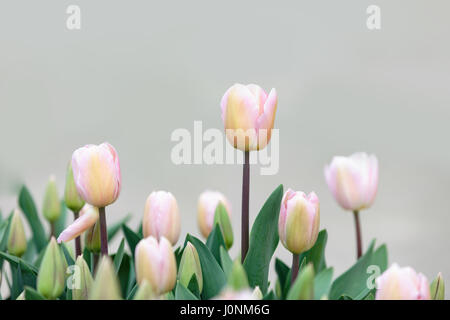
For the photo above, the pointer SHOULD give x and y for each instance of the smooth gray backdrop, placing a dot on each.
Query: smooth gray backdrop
(137, 70)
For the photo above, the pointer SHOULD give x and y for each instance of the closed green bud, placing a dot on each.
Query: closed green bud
(92, 238)
(303, 287)
(189, 266)
(106, 285)
(222, 218)
(84, 282)
(52, 272)
(17, 242)
(52, 204)
(71, 197)
(237, 279)
(145, 292)
(437, 288)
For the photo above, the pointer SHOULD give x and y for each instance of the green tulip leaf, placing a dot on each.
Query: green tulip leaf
(316, 255)
(215, 241)
(182, 293)
(32, 294)
(118, 257)
(353, 283)
(263, 241)
(60, 224)
(322, 283)
(28, 207)
(225, 261)
(131, 237)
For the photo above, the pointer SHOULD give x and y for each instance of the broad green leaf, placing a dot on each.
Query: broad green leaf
(193, 286)
(284, 276)
(133, 292)
(114, 228)
(322, 283)
(21, 277)
(316, 255)
(225, 261)
(213, 277)
(32, 294)
(119, 255)
(353, 283)
(131, 237)
(126, 270)
(215, 241)
(67, 255)
(15, 261)
(270, 296)
(28, 207)
(182, 293)
(263, 241)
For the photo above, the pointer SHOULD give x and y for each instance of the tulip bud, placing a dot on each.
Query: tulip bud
(155, 262)
(52, 205)
(208, 206)
(17, 242)
(237, 280)
(161, 217)
(145, 292)
(71, 197)
(402, 284)
(298, 224)
(248, 114)
(190, 266)
(437, 288)
(88, 217)
(106, 285)
(353, 180)
(303, 287)
(222, 218)
(85, 280)
(257, 294)
(92, 238)
(52, 272)
(96, 171)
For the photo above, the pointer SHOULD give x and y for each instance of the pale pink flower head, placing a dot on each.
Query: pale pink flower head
(353, 180)
(248, 114)
(206, 207)
(87, 218)
(161, 217)
(402, 284)
(96, 172)
(298, 224)
(155, 262)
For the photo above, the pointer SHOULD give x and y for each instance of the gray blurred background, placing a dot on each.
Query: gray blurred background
(137, 70)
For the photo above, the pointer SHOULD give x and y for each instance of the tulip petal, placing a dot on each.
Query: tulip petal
(80, 225)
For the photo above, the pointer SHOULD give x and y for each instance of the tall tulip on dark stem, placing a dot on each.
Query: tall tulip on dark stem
(245, 205)
(353, 181)
(248, 114)
(96, 172)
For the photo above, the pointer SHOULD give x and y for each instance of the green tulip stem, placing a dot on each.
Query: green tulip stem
(245, 206)
(103, 232)
(295, 266)
(358, 234)
(52, 229)
(76, 214)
